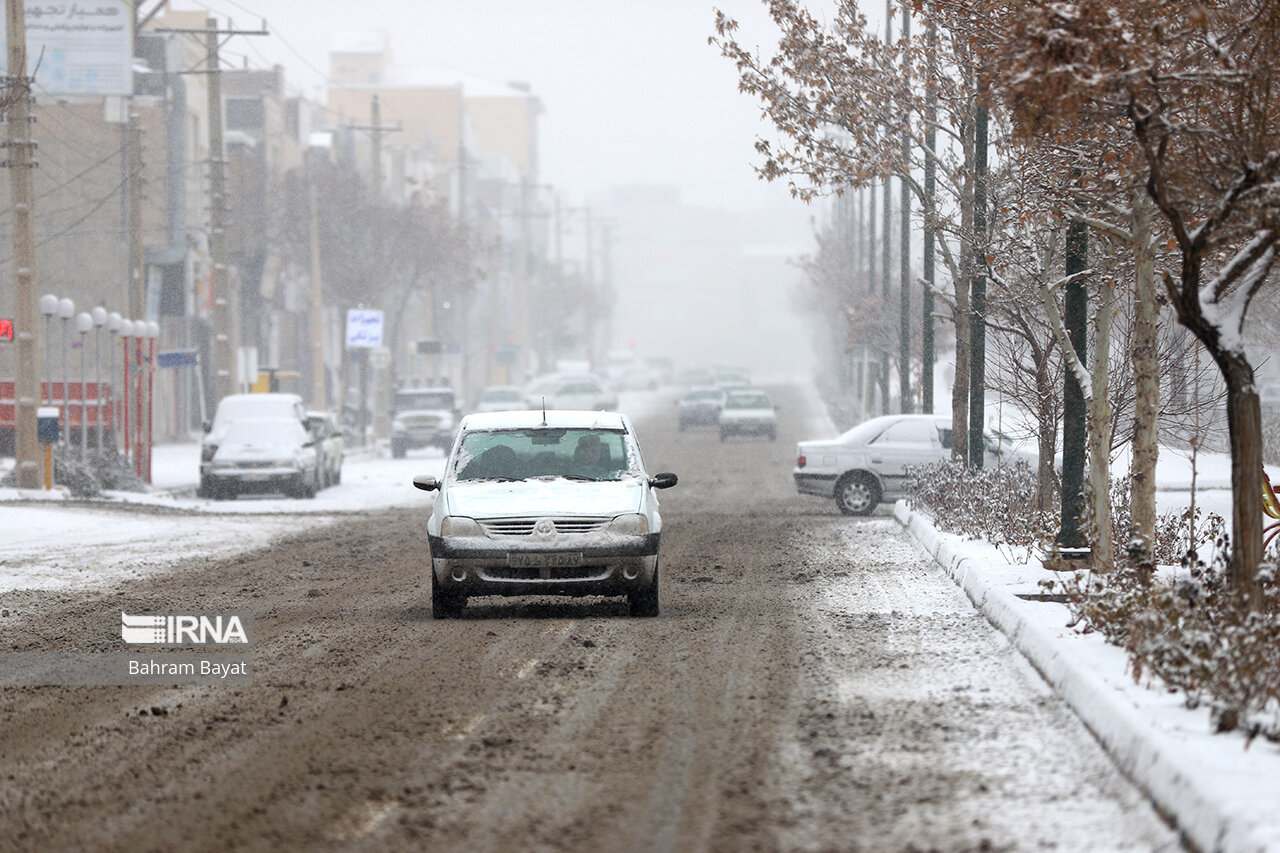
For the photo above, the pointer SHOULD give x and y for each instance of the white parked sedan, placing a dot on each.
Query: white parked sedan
(535, 503)
(868, 464)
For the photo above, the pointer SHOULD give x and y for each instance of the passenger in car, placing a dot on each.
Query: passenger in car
(498, 462)
(591, 457)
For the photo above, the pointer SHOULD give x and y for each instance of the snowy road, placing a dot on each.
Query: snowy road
(813, 683)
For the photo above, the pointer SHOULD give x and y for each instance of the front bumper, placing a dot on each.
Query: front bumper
(748, 427)
(484, 566)
(264, 480)
(417, 438)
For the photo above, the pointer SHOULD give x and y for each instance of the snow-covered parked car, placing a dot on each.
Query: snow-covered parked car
(330, 446)
(747, 411)
(535, 503)
(868, 464)
(235, 407)
(258, 455)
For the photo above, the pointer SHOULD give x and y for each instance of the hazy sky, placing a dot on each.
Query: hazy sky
(631, 89)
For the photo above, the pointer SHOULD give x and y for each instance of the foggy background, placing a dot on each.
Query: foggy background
(642, 123)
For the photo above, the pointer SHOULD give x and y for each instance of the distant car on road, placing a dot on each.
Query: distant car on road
(868, 464)
(423, 417)
(581, 392)
(329, 444)
(748, 411)
(264, 455)
(536, 503)
(700, 406)
(500, 398)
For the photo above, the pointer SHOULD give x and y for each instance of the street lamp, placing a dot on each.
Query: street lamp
(66, 310)
(99, 320)
(48, 307)
(153, 332)
(83, 324)
(126, 332)
(114, 321)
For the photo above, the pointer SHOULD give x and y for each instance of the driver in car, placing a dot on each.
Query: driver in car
(591, 458)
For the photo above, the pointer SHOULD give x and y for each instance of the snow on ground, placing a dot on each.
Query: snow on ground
(1222, 794)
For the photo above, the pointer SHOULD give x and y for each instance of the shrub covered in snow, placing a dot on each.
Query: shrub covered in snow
(88, 478)
(995, 504)
(1191, 630)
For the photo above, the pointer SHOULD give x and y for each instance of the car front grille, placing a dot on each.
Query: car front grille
(560, 573)
(527, 526)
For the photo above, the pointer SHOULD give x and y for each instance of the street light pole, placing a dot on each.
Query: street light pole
(153, 332)
(83, 324)
(114, 322)
(66, 310)
(126, 332)
(99, 320)
(48, 307)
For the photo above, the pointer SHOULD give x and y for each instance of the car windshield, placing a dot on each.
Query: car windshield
(704, 394)
(425, 399)
(522, 454)
(747, 401)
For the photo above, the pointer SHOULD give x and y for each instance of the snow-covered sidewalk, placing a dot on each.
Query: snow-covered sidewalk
(1221, 792)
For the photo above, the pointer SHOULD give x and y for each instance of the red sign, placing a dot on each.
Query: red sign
(6, 329)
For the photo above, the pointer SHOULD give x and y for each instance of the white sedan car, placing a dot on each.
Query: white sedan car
(868, 464)
(535, 503)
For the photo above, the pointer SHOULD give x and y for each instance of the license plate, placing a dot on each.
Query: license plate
(558, 560)
(254, 478)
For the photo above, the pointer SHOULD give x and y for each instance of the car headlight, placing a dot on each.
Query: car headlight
(397, 425)
(631, 524)
(460, 525)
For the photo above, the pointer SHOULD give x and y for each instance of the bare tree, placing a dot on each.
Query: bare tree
(1195, 85)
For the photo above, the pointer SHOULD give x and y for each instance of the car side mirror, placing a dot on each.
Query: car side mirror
(208, 425)
(664, 480)
(426, 482)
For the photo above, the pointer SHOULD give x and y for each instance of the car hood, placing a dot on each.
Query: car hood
(492, 499)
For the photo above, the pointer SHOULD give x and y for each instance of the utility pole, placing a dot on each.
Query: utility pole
(886, 213)
(223, 350)
(930, 189)
(376, 129)
(223, 354)
(137, 285)
(978, 291)
(28, 471)
(1074, 416)
(319, 398)
(904, 248)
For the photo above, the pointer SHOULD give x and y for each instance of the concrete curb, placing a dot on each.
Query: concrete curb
(1119, 713)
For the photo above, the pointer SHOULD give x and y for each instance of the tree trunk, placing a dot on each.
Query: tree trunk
(1046, 436)
(1244, 420)
(1099, 440)
(1146, 393)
